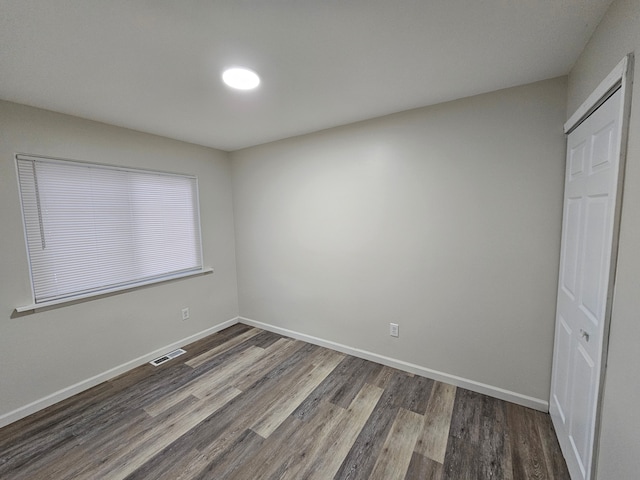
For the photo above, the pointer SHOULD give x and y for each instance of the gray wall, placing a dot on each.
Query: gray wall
(617, 35)
(443, 219)
(45, 352)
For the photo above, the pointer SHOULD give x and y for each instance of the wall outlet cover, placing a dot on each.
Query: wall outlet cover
(394, 329)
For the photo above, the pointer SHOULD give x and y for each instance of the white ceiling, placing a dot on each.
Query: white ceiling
(155, 65)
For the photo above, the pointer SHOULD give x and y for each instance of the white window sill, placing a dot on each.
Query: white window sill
(87, 296)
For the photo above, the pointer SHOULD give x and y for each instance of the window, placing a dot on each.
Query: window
(93, 229)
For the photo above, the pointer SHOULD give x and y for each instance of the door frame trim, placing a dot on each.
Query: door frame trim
(621, 77)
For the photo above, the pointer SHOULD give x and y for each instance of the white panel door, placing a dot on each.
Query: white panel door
(586, 278)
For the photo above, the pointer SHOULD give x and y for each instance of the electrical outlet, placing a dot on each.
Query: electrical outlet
(394, 329)
(185, 313)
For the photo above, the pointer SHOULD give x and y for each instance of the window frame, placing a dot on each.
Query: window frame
(130, 285)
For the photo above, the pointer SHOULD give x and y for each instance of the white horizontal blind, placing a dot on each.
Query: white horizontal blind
(92, 228)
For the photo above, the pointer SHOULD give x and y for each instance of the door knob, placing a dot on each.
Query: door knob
(585, 335)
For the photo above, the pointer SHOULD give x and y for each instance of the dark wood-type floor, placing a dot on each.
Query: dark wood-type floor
(249, 404)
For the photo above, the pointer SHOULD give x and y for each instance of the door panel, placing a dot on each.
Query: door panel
(602, 143)
(569, 266)
(592, 295)
(576, 160)
(584, 374)
(564, 359)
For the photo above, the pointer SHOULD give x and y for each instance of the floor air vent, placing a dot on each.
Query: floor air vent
(167, 357)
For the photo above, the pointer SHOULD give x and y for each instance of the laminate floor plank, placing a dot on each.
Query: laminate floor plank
(461, 460)
(465, 419)
(179, 468)
(33, 439)
(132, 454)
(41, 459)
(301, 446)
(318, 433)
(493, 435)
(556, 466)
(384, 376)
(528, 460)
(394, 459)
(340, 437)
(274, 354)
(193, 349)
(265, 339)
(113, 447)
(423, 468)
(362, 457)
(138, 395)
(354, 373)
(57, 466)
(148, 390)
(435, 434)
(41, 451)
(247, 404)
(284, 385)
(221, 429)
(230, 343)
(340, 387)
(326, 390)
(416, 392)
(275, 456)
(245, 446)
(209, 381)
(54, 417)
(287, 401)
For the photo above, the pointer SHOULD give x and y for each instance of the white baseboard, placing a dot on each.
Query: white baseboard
(472, 385)
(67, 392)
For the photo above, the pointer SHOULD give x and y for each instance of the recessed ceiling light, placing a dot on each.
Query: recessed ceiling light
(241, 78)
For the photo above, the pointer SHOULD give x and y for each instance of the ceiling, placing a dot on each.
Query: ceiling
(155, 65)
